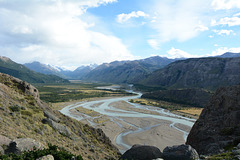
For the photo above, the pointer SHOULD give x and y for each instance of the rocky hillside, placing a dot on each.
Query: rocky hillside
(218, 127)
(24, 115)
(20, 71)
(207, 73)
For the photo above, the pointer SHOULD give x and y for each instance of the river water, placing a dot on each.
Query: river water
(104, 107)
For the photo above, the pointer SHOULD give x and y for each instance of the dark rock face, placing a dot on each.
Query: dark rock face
(182, 152)
(20, 145)
(140, 152)
(219, 123)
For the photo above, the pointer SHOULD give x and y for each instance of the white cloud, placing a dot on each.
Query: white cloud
(223, 50)
(54, 32)
(223, 32)
(153, 43)
(201, 28)
(178, 53)
(233, 21)
(236, 15)
(225, 4)
(179, 20)
(121, 18)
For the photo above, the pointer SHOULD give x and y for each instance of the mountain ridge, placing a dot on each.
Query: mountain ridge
(20, 71)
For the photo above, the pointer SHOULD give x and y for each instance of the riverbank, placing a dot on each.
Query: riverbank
(128, 123)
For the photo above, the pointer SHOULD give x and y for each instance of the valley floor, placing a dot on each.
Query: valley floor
(127, 123)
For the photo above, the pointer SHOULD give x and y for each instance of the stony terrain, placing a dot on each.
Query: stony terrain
(24, 115)
(218, 127)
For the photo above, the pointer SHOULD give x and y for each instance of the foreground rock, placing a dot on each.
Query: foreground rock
(48, 157)
(20, 145)
(181, 152)
(141, 152)
(219, 124)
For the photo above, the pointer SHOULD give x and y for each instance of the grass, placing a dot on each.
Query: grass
(184, 110)
(55, 93)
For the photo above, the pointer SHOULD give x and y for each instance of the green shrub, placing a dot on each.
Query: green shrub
(27, 113)
(57, 153)
(15, 108)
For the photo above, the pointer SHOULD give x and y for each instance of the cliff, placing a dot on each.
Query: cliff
(218, 126)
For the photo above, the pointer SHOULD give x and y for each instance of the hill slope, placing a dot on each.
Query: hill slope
(127, 71)
(23, 114)
(20, 71)
(208, 73)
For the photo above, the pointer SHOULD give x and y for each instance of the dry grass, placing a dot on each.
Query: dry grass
(192, 111)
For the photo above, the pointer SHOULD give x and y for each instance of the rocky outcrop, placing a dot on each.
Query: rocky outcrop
(51, 116)
(219, 123)
(47, 157)
(4, 140)
(59, 127)
(141, 152)
(181, 152)
(20, 145)
(22, 86)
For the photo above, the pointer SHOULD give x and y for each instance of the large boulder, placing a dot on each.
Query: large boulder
(47, 157)
(219, 123)
(181, 152)
(4, 140)
(51, 116)
(20, 145)
(59, 127)
(1, 151)
(141, 152)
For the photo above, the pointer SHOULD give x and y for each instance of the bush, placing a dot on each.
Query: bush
(27, 113)
(58, 154)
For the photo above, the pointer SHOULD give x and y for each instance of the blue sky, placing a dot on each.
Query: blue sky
(81, 32)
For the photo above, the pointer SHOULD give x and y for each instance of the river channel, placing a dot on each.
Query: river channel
(128, 123)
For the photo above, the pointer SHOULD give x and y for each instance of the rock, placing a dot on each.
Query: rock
(59, 127)
(48, 157)
(20, 145)
(1, 151)
(237, 157)
(142, 152)
(181, 152)
(218, 123)
(51, 116)
(4, 140)
(236, 152)
(238, 146)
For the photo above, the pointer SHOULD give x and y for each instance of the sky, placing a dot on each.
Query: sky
(72, 33)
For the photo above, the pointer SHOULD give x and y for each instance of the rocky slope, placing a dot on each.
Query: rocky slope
(218, 127)
(24, 115)
(207, 73)
(20, 71)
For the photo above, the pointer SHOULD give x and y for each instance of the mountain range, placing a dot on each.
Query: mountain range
(20, 71)
(114, 72)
